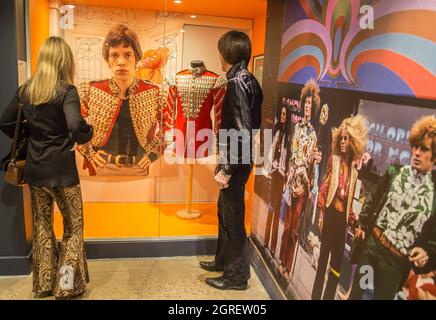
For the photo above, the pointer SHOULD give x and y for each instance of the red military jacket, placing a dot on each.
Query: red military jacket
(194, 103)
(100, 104)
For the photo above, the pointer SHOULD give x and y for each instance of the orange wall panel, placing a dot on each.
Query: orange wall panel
(39, 28)
(224, 8)
(116, 220)
(258, 37)
(143, 220)
(259, 29)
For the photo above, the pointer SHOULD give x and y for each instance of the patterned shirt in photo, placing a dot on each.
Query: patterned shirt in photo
(303, 144)
(408, 207)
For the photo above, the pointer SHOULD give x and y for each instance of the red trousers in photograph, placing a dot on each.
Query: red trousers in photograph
(290, 233)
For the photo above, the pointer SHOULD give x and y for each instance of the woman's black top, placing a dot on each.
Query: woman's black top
(53, 130)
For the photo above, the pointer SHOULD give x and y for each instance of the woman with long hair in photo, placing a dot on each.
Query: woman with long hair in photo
(51, 109)
(276, 170)
(335, 200)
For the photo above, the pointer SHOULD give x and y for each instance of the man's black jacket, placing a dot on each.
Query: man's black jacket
(241, 112)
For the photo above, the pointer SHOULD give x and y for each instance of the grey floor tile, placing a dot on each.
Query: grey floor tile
(177, 278)
(121, 265)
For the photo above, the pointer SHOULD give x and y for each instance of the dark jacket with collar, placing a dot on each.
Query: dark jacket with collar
(241, 111)
(53, 128)
(427, 238)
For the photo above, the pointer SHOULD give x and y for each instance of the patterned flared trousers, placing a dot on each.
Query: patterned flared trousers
(63, 271)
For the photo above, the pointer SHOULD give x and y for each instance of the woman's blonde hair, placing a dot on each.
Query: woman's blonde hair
(55, 63)
(357, 129)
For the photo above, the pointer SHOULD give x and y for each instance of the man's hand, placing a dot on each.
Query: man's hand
(275, 164)
(418, 256)
(144, 162)
(359, 233)
(97, 160)
(296, 192)
(222, 180)
(425, 295)
(317, 156)
(320, 223)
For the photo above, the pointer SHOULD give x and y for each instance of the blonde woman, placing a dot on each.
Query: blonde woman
(52, 112)
(335, 199)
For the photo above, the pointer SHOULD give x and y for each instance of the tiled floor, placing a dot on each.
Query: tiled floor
(178, 278)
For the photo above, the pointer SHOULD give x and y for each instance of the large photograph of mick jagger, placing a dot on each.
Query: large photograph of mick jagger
(123, 110)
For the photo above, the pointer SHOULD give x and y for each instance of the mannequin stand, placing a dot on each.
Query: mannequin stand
(189, 213)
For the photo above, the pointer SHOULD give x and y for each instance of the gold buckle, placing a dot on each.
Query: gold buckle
(118, 158)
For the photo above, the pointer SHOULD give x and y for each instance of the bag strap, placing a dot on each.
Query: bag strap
(17, 129)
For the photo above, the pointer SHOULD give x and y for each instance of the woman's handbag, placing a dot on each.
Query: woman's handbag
(14, 163)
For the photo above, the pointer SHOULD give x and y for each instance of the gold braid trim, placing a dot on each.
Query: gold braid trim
(130, 91)
(83, 90)
(86, 149)
(193, 90)
(102, 107)
(221, 82)
(144, 108)
(172, 89)
(154, 146)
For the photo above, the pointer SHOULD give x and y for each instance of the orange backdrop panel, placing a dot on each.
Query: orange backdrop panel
(39, 28)
(143, 220)
(258, 34)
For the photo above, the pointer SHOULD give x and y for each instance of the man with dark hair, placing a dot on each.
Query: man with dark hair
(399, 226)
(235, 47)
(241, 112)
(123, 111)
